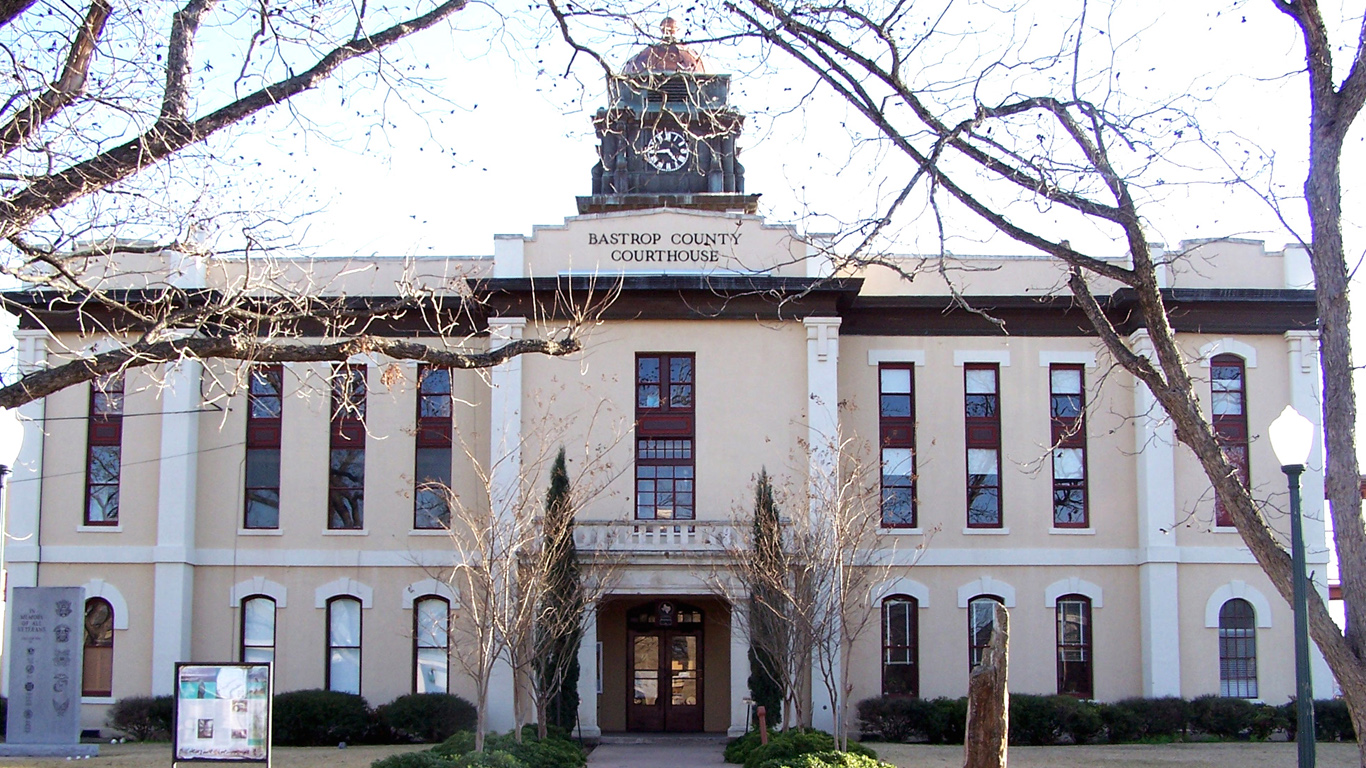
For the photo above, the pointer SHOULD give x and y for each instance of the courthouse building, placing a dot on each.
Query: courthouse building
(213, 513)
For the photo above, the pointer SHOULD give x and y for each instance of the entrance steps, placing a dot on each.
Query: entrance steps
(674, 750)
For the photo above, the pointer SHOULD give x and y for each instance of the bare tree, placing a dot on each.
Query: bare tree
(111, 138)
(1048, 130)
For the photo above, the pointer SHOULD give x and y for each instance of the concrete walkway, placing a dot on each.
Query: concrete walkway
(661, 751)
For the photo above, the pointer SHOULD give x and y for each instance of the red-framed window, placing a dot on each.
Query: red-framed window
(343, 644)
(896, 439)
(1067, 415)
(1228, 405)
(1237, 650)
(981, 623)
(665, 434)
(97, 664)
(900, 646)
(432, 470)
(264, 408)
(346, 470)
(258, 629)
(982, 433)
(1075, 664)
(104, 448)
(431, 644)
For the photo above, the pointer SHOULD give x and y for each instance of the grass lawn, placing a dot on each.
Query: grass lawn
(1214, 755)
(157, 755)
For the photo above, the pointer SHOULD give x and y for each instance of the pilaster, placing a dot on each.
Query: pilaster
(822, 414)
(23, 488)
(1305, 377)
(588, 676)
(739, 669)
(1158, 583)
(505, 476)
(173, 575)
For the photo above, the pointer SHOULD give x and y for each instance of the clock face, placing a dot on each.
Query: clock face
(667, 151)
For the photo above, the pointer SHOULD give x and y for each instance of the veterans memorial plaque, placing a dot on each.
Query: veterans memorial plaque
(45, 671)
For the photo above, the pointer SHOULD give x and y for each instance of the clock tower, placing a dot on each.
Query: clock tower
(668, 138)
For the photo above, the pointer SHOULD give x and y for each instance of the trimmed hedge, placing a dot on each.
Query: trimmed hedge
(791, 744)
(424, 759)
(317, 718)
(553, 752)
(143, 718)
(1047, 720)
(827, 760)
(427, 718)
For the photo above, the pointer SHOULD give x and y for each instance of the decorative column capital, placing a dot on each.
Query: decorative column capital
(824, 331)
(506, 328)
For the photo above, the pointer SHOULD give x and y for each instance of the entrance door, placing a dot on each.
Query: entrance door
(665, 668)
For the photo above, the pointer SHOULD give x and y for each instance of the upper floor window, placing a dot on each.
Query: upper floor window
(1067, 415)
(104, 447)
(431, 645)
(665, 459)
(1238, 650)
(432, 470)
(1228, 404)
(981, 623)
(97, 664)
(343, 644)
(1074, 646)
(982, 427)
(900, 646)
(896, 439)
(346, 475)
(258, 629)
(264, 409)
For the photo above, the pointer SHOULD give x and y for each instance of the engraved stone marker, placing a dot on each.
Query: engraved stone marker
(45, 672)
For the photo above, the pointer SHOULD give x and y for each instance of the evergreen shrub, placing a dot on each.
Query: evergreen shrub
(424, 759)
(143, 718)
(552, 752)
(788, 744)
(1137, 719)
(427, 718)
(317, 718)
(1222, 717)
(494, 759)
(827, 760)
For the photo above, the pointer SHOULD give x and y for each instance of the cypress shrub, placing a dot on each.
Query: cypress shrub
(557, 668)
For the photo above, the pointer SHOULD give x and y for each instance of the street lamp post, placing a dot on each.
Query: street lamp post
(1292, 436)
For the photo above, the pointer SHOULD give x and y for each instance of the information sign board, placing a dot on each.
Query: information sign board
(222, 713)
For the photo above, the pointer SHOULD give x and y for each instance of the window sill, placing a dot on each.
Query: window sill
(917, 531)
(346, 532)
(99, 528)
(1223, 529)
(429, 532)
(97, 699)
(1071, 531)
(986, 531)
(260, 532)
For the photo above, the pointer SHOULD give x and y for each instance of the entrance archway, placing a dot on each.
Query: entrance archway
(664, 667)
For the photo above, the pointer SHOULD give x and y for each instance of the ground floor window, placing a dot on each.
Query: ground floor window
(1238, 650)
(981, 622)
(431, 645)
(900, 652)
(258, 629)
(1074, 646)
(343, 645)
(97, 668)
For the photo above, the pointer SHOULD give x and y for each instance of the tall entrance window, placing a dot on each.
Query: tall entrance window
(900, 647)
(343, 644)
(1228, 404)
(1074, 646)
(431, 645)
(1238, 650)
(346, 472)
(665, 459)
(258, 629)
(264, 409)
(104, 448)
(97, 667)
(664, 643)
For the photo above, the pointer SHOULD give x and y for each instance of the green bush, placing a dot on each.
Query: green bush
(552, 752)
(427, 717)
(893, 719)
(494, 759)
(4, 715)
(423, 759)
(143, 718)
(316, 718)
(738, 749)
(1224, 718)
(946, 721)
(1332, 721)
(1081, 720)
(1145, 719)
(827, 760)
(792, 743)
(1034, 720)
(1266, 720)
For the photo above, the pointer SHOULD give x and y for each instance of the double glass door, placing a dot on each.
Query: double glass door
(666, 681)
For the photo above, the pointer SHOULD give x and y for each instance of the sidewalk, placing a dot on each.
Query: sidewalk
(657, 751)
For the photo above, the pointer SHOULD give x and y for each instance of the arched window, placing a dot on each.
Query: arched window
(97, 669)
(343, 644)
(1074, 646)
(258, 629)
(900, 646)
(1228, 405)
(981, 621)
(431, 645)
(1238, 650)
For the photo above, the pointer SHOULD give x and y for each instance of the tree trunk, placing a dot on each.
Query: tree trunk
(989, 702)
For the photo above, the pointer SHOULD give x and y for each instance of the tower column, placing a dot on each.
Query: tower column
(505, 477)
(588, 675)
(173, 573)
(23, 491)
(739, 668)
(822, 416)
(1158, 587)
